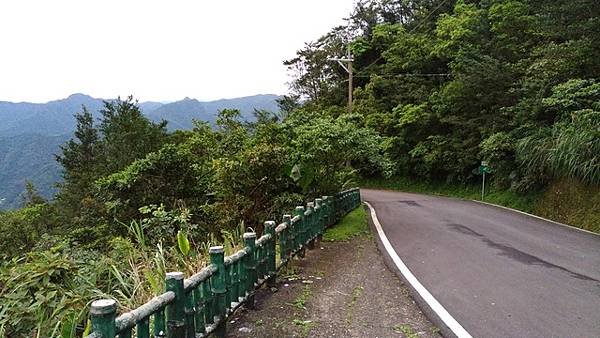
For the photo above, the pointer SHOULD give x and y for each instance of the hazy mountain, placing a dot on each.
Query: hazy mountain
(181, 113)
(149, 105)
(52, 118)
(31, 133)
(28, 157)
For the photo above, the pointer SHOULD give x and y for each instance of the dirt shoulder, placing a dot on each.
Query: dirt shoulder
(340, 289)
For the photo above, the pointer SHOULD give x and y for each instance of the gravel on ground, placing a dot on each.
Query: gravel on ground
(340, 289)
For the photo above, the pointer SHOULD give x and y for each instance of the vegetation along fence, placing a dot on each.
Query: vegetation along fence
(199, 305)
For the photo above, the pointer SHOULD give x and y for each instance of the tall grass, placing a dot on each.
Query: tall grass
(568, 149)
(47, 294)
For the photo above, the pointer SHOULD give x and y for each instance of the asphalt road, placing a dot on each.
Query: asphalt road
(499, 273)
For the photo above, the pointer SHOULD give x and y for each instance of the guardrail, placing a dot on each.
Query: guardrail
(199, 306)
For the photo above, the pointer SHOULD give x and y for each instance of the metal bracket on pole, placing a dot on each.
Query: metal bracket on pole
(348, 59)
(341, 61)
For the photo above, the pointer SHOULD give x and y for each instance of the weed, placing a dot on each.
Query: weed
(406, 329)
(290, 272)
(306, 326)
(356, 293)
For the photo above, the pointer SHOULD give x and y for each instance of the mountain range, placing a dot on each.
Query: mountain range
(31, 133)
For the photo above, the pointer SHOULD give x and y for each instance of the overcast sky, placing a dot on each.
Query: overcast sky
(155, 50)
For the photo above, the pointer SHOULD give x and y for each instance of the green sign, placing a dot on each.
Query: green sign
(484, 169)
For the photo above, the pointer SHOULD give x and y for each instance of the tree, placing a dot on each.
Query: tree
(31, 196)
(127, 135)
(79, 156)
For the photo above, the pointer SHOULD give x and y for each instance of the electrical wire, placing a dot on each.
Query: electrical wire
(406, 75)
(412, 30)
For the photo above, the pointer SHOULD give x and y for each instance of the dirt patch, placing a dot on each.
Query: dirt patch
(341, 289)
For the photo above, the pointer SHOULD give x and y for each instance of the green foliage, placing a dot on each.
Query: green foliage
(21, 229)
(183, 243)
(166, 176)
(47, 292)
(126, 134)
(334, 150)
(122, 136)
(571, 146)
(161, 225)
(32, 196)
(448, 84)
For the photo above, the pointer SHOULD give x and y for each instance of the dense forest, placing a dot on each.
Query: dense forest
(439, 85)
(449, 83)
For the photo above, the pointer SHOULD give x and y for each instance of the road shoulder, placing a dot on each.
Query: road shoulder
(342, 288)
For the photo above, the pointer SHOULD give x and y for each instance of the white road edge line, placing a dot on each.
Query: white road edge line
(534, 216)
(435, 306)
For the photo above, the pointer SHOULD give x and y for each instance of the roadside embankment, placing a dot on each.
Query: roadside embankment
(565, 201)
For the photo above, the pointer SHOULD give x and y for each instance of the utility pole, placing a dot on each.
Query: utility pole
(348, 68)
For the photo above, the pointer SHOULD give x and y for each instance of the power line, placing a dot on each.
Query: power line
(412, 30)
(406, 75)
(427, 16)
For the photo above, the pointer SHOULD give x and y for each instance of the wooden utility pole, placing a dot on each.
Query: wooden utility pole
(350, 59)
(343, 61)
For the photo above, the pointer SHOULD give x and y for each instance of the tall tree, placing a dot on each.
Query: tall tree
(79, 158)
(127, 135)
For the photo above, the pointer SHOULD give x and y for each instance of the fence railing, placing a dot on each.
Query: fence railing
(199, 306)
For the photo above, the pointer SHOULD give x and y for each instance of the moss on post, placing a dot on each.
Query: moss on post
(287, 238)
(159, 324)
(175, 310)
(320, 218)
(311, 226)
(270, 246)
(250, 266)
(218, 289)
(299, 230)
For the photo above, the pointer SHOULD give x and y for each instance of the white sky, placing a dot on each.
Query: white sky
(155, 50)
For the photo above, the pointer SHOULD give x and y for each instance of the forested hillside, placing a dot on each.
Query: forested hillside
(451, 83)
(439, 86)
(31, 133)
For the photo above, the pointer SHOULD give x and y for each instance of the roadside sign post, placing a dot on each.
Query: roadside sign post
(483, 169)
(483, 186)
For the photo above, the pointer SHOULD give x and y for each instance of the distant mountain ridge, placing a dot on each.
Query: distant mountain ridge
(56, 117)
(31, 133)
(181, 113)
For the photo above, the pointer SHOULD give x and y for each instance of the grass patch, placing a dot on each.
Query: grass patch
(511, 199)
(353, 224)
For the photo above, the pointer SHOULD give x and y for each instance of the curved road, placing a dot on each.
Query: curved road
(499, 273)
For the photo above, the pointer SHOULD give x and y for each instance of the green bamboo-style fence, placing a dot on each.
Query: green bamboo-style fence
(199, 305)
